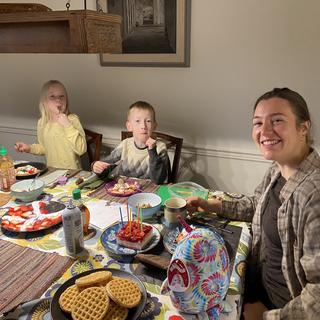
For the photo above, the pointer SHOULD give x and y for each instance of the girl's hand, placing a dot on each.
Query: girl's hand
(62, 119)
(100, 166)
(22, 147)
(151, 143)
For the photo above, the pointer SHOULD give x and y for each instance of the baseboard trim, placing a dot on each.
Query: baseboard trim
(204, 152)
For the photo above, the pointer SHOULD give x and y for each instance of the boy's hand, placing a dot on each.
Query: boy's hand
(151, 143)
(100, 166)
(63, 119)
(22, 147)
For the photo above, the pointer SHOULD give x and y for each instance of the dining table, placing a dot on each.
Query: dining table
(38, 260)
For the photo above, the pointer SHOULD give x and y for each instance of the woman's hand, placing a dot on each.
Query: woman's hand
(254, 311)
(196, 204)
(22, 147)
(100, 166)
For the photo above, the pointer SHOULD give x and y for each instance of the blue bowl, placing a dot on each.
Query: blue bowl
(145, 198)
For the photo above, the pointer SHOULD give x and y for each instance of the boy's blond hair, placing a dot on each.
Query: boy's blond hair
(144, 106)
(45, 114)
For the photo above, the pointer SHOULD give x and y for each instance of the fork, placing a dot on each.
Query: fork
(32, 184)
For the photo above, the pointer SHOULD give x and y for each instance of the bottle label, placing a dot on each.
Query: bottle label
(73, 233)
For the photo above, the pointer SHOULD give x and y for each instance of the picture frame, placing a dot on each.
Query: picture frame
(174, 23)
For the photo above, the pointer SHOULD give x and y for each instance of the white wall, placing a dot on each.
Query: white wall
(239, 50)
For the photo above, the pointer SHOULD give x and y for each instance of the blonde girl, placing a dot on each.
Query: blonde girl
(60, 135)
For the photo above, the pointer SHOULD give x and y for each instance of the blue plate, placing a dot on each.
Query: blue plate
(109, 241)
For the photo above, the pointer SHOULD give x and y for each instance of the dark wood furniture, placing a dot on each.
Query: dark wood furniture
(73, 31)
(94, 143)
(171, 143)
(22, 7)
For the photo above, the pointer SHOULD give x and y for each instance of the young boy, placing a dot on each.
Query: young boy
(141, 156)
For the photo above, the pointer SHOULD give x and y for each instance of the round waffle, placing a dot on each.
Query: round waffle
(91, 304)
(124, 292)
(67, 298)
(116, 312)
(99, 278)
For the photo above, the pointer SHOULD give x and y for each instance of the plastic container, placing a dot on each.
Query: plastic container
(73, 231)
(76, 195)
(7, 172)
(188, 189)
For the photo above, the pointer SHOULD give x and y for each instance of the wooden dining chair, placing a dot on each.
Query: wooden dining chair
(94, 144)
(171, 143)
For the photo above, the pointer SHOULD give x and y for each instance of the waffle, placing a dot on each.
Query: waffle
(116, 312)
(91, 304)
(124, 292)
(67, 298)
(99, 278)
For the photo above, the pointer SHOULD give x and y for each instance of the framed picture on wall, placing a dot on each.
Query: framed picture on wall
(155, 33)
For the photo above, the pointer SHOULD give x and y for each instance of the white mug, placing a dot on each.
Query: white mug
(174, 207)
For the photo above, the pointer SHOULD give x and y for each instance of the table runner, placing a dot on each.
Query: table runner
(27, 273)
(100, 193)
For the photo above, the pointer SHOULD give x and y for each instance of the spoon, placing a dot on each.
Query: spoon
(32, 184)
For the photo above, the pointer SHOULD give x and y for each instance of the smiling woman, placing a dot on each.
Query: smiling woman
(281, 129)
(284, 211)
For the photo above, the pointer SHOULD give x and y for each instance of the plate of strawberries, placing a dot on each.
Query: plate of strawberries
(36, 216)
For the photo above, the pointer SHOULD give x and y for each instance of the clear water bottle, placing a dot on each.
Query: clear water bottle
(73, 230)
(7, 172)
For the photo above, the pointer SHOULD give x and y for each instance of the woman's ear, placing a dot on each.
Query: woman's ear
(305, 127)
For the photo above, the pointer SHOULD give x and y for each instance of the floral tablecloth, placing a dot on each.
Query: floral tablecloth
(158, 306)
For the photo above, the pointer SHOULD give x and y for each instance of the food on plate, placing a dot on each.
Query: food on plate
(91, 304)
(122, 187)
(144, 205)
(99, 278)
(68, 297)
(33, 217)
(116, 312)
(124, 292)
(181, 235)
(134, 235)
(98, 299)
(26, 170)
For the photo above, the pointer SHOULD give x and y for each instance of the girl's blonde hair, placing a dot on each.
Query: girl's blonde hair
(45, 113)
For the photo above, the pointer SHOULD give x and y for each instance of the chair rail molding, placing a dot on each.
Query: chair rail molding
(186, 149)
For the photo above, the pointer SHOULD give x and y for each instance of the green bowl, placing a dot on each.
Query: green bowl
(24, 191)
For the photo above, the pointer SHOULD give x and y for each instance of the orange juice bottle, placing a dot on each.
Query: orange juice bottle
(76, 195)
(7, 172)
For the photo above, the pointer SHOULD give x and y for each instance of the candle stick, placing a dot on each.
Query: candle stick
(130, 223)
(121, 217)
(127, 211)
(141, 220)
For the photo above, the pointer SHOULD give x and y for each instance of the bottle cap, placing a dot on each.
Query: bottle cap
(3, 151)
(76, 194)
(70, 205)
